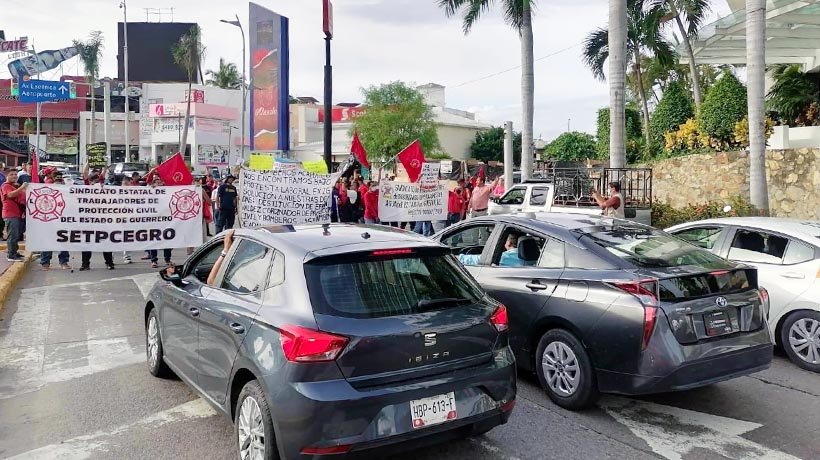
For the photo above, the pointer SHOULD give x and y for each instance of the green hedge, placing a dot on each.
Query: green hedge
(724, 106)
(672, 111)
(634, 136)
(665, 216)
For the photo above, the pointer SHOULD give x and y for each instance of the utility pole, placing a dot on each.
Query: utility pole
(107, 119)
(245, 87)
(125, 68)
(327, 26)
(509, 162)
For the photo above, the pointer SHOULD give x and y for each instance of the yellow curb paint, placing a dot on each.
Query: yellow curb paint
(10, 278)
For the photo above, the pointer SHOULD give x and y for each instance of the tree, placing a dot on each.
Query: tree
(571, 146)
(694, 12)
(792, 93)
(616, 47)
(672, 111)
(633, 144)
(756, 77)
(188, 53)
(643, 37)
(724, 106)
(489, 146)
(226, 77)
(90, 53)
(518, 14)
(395, 115)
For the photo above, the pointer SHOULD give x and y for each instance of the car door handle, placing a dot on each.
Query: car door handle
(794, 276)
(237, 328)
(194, 311)
(536, 286)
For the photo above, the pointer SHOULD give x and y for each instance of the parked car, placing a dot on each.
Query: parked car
(787, 256)
(606, 305)
(325, 340)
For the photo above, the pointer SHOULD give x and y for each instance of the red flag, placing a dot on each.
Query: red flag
(35, 168)
(174, 171)
(358, 151)
(412, 158)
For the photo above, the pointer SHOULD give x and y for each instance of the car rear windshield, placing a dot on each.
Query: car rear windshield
(374, 286)
(644, 247)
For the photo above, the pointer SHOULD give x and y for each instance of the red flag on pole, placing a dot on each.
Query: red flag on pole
(35, 168)
(358, 151)
(174, 171)
(412, 158)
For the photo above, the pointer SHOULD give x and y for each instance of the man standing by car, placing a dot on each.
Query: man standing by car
(614, 205)
(226, 203)
(480, 199)
(14, 199)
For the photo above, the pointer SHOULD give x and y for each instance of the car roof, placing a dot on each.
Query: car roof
(558, 223)
(316, 240)
(806, 230)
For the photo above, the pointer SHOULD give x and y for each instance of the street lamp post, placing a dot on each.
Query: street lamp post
(327, 26)
(244, 86)
(125, 71)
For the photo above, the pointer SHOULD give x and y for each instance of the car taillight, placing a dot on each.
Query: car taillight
(332, 450)
(764, 301)
(499, 319)
(391, 252)
(647, 292)
(304, 345)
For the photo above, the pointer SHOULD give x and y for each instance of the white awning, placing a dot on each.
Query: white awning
(792, 36)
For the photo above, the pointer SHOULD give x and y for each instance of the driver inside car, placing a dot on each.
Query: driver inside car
(509, 258)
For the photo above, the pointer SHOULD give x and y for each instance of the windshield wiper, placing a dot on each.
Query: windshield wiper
(430, 304)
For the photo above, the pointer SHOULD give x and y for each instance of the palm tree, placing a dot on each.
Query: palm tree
(90, 53)
(518, 14)
(756, 93)
(694, 12)
(616, 41)
(188, 54)
(226, 77)
(792, 93)
(643, 36)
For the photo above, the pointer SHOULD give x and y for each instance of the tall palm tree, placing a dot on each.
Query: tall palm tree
(756, 74)
(518, 14)
(226, 77)
(188, 53)
(616, 41)
(694, 12)
(643, 37)
(90, 53)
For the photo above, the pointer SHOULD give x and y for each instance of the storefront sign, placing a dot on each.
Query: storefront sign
(8, 46)
(212, 155)
(166, 110)
(282, 197)
(167, 125)
(62, 145)
(198, 96)
(405, 202)
(342, 114)
(97, 218)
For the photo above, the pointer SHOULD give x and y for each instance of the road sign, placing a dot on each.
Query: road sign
(44, 91)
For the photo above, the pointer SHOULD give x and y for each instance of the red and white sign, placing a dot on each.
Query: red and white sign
(198, 96)
(327, 18)
(8, 46)
(342, 114)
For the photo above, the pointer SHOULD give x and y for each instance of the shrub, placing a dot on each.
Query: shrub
(741, 131)
(572, 146)
(724, 106)
(633, 134)
(688, 138)
(674, 109)
(665, 216)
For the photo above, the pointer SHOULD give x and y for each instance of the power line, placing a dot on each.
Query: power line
(555, 53)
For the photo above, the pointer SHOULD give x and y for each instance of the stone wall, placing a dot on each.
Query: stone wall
(793, 178)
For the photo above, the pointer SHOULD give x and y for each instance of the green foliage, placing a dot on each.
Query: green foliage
(634, 140)
(665, 216)
(396, 115)
(792, 93)
(226, 77)
(672, 111)
(571, 146)
(489, 146)
(724, 106)
(438, 156)
(189, 51)
(90, 52)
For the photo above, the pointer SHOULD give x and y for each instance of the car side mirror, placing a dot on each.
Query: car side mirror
(496, 199)
(172, 275)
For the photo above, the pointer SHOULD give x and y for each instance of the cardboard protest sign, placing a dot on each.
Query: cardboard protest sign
(316, 167)
(96, 154)
(261, 162)
(429, 175)
(284, 196)
(96, 218)
(404, 202)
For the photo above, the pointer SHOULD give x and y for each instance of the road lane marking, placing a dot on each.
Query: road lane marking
(144, 281)
(87, 446)
(672, 432)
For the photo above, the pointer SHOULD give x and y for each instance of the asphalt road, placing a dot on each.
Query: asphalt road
(73, 385)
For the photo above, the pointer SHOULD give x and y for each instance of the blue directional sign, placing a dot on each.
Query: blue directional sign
(44, 91)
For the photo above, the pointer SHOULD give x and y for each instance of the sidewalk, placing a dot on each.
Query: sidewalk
(10, 273)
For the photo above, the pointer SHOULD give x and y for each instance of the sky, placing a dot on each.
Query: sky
(376, 41)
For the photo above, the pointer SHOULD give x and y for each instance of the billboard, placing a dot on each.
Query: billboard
(149, 51)
(269, 114)
(30, 66)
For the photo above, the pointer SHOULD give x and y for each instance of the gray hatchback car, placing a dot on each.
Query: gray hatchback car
(606, 305)
(333, 340)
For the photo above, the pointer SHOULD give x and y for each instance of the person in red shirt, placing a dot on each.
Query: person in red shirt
(371, 204)
(455, 205)
(14, 201)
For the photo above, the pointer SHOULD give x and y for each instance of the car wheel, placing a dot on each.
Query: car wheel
(800, 337)
(153, 347)
(565, 371)
(253, 426)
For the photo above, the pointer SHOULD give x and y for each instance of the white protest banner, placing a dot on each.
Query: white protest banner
(97, 218)
(284, 196)
(429, 175)
(405, 202)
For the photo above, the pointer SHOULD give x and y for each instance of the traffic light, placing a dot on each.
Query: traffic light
(72, 90)
(15, 89)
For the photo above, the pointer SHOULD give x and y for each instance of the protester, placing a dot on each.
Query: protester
(614, 205)
(371, 204)
(422, 227)
(62, 256)
(455, 205)
(214, 199)
(226, 246)
(94, 178)
(226, 204)
(334, 204)
(480, 198)
(24, 175)
(207, 207)
(499, 189)
(3, 172)
(13, 197)
(467, 192)
(153, 253)
(127, 181)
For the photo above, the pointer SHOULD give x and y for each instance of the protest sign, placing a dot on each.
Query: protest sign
(316, 167)
(96, 155)
(96, 218)
(429, 175)
(284, 196)
(261, 162)
(405, 202)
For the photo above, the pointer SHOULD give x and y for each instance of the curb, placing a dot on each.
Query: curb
(9, 279)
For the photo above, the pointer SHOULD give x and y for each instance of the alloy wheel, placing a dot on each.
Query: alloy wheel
(251, 431)
(153, 342)
(804, 338)
(561, 369)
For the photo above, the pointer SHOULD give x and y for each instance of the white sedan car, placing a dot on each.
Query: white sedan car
(786, 254)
